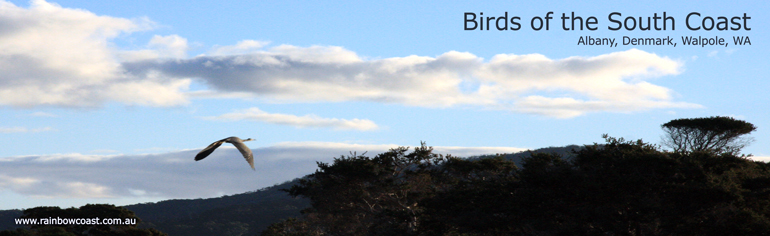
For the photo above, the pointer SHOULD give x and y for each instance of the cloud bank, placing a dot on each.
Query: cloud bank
(55, 56)
(176, 174)
(533, 83)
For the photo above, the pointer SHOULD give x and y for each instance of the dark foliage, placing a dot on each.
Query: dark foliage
(93, 213)
(618, 188)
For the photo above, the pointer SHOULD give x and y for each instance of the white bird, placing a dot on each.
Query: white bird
(237, 142)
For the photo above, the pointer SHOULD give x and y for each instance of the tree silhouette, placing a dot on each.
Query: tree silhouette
(358, 194)
(716, 134)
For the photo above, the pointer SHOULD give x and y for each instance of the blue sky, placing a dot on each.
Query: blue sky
(109, 101)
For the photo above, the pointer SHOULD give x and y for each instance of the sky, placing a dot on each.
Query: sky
(109, 101)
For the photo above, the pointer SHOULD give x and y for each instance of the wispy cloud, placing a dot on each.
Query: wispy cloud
(17, 129)
(43, 114)
(176, 174)
(306, 121)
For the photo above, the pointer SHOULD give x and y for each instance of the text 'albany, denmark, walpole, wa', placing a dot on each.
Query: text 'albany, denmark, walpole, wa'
(663, 41)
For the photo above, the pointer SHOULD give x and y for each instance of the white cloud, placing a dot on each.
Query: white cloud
(242, 47)
(172, 46)
(610, 82)
(53, 189)
(565, 107)
(611, 77)
(77, 190)
(169, 46)
(16, 182)
(55, 56)
(306, 121)
(176, 174)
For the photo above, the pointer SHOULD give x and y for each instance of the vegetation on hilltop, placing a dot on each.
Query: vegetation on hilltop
(617, 188)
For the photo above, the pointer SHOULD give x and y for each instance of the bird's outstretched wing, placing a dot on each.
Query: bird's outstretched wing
(208, 150)
(246, 152)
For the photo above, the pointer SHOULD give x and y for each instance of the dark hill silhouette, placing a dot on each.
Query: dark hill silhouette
(566, 152)
(6, 219)
(246, 213)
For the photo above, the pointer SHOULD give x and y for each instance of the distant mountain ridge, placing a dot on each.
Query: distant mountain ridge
(246, 213)
(566, 152)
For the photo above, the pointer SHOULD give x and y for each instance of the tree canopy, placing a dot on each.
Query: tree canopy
(716, 134)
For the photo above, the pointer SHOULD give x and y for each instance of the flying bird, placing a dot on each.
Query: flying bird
(237, 142)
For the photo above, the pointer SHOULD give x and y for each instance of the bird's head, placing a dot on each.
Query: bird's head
(249, 139)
